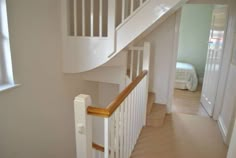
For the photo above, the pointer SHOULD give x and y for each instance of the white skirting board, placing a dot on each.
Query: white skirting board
(223, 129)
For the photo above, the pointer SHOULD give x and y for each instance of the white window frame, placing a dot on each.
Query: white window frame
(6, 72)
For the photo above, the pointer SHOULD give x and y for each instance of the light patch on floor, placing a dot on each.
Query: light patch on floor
(181, 136)
(188, 102)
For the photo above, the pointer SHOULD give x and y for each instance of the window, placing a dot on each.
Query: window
(6, 74)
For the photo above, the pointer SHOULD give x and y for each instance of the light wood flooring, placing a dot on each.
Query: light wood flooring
(186, 133)
(181, 136)
(188, 102)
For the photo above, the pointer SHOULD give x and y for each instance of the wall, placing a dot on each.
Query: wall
(232, 151)
(107, 93)
(36, 119)
(194, 34)
(162, 45)
(227, 86)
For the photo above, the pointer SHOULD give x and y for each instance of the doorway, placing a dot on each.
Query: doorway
(200, 49)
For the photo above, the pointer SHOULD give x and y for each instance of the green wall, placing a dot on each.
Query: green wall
(194, 34)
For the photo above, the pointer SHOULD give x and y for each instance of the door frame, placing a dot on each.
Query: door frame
(225, 63)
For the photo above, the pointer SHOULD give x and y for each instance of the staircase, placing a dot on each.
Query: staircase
(94, 31)
(156, 113)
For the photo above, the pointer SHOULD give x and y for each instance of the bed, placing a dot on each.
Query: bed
(186, 77)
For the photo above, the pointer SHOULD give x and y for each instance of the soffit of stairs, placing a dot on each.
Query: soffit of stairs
(157, 23)
(117, 60)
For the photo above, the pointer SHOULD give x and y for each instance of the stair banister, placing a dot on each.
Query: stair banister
(124, 118)
(110, 109)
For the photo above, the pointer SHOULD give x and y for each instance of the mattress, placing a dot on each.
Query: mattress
(186, 76)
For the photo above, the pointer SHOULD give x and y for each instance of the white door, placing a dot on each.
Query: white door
(214, 58)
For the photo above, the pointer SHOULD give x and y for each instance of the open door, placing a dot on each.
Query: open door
(214, 58)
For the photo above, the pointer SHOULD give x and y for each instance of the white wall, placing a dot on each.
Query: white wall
(227, 87)
(162, 45)
(232, 151)
(36, 119)
(194, 34)
(107, 93)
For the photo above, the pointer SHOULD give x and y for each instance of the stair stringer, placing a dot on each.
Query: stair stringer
(114, 71)
(151, 15)
(82, 54)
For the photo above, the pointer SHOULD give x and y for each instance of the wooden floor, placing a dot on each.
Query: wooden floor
(188, 102)
(186, 133)
(182, 136)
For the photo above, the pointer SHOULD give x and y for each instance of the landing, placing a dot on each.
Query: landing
(181, 136)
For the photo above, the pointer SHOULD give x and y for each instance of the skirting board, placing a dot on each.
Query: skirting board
(223, 129)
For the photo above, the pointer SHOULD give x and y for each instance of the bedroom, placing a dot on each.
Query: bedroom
(200, 47)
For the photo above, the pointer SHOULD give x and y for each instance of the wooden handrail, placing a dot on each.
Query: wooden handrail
(98, 147)
(109, 110)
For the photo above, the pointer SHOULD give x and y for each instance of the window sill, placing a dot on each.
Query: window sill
(8, 87)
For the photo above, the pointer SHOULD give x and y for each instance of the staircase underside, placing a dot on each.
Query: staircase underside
(181, 136)
(84, 53)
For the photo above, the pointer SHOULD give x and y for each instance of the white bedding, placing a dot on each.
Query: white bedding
(186, 77)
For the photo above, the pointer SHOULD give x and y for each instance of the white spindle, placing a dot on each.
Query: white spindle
(131, 64)
(100, 155)
(122, 130)
(83, 17)
(117, 130)
(75, 17)
(94, 154)
(123, 10)
(91, 17)
(126, 143)
(132, 120)
(135, 114)
(140, 2)
(112, 134)
(130, 123)
(131, 6)
(138, 63)
(100, 17)
(106, 138)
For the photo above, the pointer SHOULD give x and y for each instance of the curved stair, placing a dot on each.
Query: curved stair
(94, 31)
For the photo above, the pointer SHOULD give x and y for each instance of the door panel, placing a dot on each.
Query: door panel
(214, 58)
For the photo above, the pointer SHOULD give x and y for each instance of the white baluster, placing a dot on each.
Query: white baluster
(117, 131)
(91, 17)
(131, 6)
(129, 123)
(83, 17)
(138, 62)
(132, 121)
(106, 138)
(122, 130)
(140, 2)
(131, 64)
(75, 17)
(112, 134)
(123, 11)
(126, 143)
(100, 17)
(94, 153)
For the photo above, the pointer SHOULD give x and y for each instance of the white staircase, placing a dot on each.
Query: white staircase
(94, 31)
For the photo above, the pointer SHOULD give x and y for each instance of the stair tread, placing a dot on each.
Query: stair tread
(151, 100)
(157, 115)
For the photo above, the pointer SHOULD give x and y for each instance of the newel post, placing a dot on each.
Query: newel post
(83, 126)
